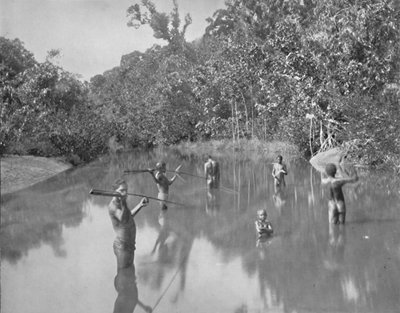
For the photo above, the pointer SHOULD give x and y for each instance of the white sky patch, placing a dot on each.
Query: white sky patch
(92, 35)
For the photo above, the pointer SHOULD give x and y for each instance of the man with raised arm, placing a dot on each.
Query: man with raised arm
(163, 182)
(122, 219)
(336, 204)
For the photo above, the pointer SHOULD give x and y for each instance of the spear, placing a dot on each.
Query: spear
(169, 171)
(135, 171)
(98, 192)
(184, 173)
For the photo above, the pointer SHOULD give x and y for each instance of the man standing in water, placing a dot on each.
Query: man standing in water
(278, 173)
(122, 219)
(162, 181)
(336, 204)
(212, 173)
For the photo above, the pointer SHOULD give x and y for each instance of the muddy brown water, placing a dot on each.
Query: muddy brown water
(203, 256)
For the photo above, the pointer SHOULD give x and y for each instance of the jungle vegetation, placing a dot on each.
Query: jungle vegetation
(316, 74)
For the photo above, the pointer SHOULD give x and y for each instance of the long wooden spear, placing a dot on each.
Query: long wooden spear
(106, 193)
(169, 171)
(184, 173)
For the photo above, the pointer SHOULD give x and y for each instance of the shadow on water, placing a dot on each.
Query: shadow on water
(306, 266)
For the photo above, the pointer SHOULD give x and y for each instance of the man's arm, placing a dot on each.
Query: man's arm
(114, 209)
(151, 171)
(273, 172)
(170, 181)
(174, 177)
(346, 180)
(346, 176)
(140, 205)
(324, 178)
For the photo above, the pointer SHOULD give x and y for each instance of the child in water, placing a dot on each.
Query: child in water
(336, 204)
(263, 226)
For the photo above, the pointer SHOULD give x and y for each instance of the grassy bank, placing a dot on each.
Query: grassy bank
(253, 148)
(18, 172)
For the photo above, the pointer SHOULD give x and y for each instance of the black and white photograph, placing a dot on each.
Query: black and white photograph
(209, 156)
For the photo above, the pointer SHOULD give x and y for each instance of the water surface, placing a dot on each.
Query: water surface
(203, 256)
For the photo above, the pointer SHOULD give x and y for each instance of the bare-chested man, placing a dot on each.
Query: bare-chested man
(337, 206)
(124, 225)
(162, 181)
(278, 173)
(212, 173)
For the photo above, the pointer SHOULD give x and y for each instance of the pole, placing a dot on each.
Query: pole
(184, 173)
(106, 193)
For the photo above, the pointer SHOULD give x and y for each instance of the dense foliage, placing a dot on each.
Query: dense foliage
(45, 110)
(314, 73)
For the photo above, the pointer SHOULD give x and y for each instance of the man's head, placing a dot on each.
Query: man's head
(262, 214)
(121, 186)
(161, 166)
(330, 170)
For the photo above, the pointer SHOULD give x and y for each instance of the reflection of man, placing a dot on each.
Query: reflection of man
(124, 225)
(336, 247)
(166, 237)
(213, 201)
(125, 285)
(212, 173)
(279, 198)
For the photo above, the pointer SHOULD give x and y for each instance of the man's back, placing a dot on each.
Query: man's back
(211, 168)
(162, 182)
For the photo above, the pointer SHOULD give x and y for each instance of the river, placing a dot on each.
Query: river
(203, 255)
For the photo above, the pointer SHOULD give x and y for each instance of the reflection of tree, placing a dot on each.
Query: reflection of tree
(303, 267)
(306, 266)
(37, 215)
(316, 270)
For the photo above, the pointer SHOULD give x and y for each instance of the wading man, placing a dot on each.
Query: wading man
(278, 173)
(122, 219)
(212, 173)
(336, 204)
(163, 182)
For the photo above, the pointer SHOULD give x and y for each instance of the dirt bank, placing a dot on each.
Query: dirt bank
(18, 172)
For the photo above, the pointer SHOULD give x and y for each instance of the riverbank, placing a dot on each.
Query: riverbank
(258, 149)
(19, 172)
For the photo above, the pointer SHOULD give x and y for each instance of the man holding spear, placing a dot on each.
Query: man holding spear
(122, 219)
(162, 181)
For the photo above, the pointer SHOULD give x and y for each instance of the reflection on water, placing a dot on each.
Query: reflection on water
(126, 287)
(204, 256)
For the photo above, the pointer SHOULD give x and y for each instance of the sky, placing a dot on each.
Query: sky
(92, 35)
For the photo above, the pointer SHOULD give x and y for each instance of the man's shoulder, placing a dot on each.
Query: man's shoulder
(112, 207)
